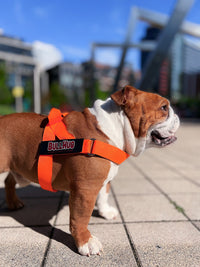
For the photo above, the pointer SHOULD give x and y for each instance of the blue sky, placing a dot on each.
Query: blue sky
(71, 26)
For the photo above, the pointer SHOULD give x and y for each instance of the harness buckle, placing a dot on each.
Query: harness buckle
(91, 154)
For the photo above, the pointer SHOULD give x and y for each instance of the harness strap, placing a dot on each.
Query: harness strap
(55, 127)
(108, 151)
(90, 147)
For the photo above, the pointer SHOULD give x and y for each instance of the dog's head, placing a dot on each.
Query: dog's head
(151, 117)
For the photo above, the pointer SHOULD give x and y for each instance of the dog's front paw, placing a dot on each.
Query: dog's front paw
(109, 213)
(92, 247)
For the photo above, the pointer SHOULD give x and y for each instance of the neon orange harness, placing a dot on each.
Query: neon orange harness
(92, 147)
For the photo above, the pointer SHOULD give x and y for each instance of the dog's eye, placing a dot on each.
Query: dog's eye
(165, 108)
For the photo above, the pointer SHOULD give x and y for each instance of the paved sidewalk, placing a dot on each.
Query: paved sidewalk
(158, 197)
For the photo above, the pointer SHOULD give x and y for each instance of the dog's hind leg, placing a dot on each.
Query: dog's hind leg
(105, 210)
(12, 200)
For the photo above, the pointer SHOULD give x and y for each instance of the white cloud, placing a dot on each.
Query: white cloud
(47, 55)
(107, 56)
(1, 31)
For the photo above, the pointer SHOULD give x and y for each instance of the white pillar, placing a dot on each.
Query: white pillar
(37, 92)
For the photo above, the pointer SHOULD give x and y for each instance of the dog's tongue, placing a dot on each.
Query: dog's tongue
(156, 140)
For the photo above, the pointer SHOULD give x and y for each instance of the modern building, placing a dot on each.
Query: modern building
(18, 59)
(151, 34)
(191, 69)
(177, 61)
(162, 85)
(179, 74)
(105, 75)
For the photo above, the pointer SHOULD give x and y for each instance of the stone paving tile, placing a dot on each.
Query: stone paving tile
(23, 246)
(163, 175)
(171, 244)
(178, 186)
(147, 208)
(133, 186)
(190, 204)
(189, 156)
(146, 162)
(193, 174)
(197, 223)
(177, 163)
(182, 155)
(63, 214)
(35, 212)
(117, 251)
(127, 171)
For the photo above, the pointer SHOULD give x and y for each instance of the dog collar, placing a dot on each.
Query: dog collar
(68, 144)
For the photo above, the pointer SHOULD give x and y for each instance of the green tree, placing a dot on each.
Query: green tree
(57, 96)
(99, 94)
(5, 94)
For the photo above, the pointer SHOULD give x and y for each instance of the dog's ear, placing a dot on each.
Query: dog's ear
(124, 96)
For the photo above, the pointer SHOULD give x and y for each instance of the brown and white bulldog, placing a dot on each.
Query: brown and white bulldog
(131, 120)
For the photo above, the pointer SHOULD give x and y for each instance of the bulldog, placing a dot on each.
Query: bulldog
(130, 120)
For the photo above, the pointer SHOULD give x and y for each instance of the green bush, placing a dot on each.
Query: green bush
(188, 107)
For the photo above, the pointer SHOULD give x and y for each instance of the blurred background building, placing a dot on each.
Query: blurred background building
(191, 69)
(70, 85)
(18, 59)
(17, 69)
(179, 73)
(67, 77)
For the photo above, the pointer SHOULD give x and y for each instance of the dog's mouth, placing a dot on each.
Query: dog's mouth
(159, 140)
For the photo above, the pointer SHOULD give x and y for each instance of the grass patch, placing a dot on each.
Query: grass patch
(177, 207)
(6, 109)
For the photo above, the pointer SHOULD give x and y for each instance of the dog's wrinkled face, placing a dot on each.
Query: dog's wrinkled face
(151, 117)
(163, 133)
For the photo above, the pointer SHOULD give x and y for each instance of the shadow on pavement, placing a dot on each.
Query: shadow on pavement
(40, 207)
